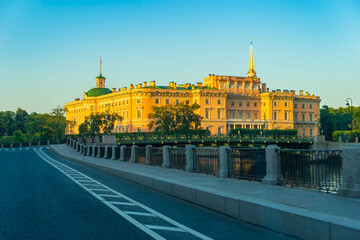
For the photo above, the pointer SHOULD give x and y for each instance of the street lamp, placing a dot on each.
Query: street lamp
(351, 105)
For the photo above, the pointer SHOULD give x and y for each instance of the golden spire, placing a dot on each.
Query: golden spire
(251, 71)
(100, 65)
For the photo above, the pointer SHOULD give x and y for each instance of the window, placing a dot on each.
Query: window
(310, 117)
(138, 113)
(232, 114)
(311, 132)
(310, 106)
(177, 101)
(219, 114)
(219, 130)
(303, 105)
(255, 115)
(286, 116)
(240, 104)
(232, 103)
(187, 102)
(219, 101)
(157, 101)
(248, 104)
(304, 132)
(275, 115)
(285, 104)
(275, 104)
(264, 104)
(115, 103)
(240, 115)
(255, 104)
(127, 114)
(167, 101)
(303, 117)
(138, 101)
(92, 108)
(206, 113)
(247, 115)
(127, 102)
(138, 129)
(207, 101)
(195, 101)
(295, 117)
(295, 105)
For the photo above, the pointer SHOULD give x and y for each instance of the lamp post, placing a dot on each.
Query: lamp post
(351, 105)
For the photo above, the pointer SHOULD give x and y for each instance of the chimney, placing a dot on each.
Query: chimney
(114, 90)
(145, 84)
(171, 84)
(119, 89)
(307, 94)
(152, 84)
(131, 86)
(285, 91)
(263, 87)
(77, 99)
(175, 87)
(124, 89)
(192, 87)
(301, 92)
(199, 84)
(278, 90)
(267, 90)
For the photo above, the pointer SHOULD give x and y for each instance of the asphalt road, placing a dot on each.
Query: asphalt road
(43, 196)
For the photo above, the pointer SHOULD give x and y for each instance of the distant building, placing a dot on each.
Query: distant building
(226, 102)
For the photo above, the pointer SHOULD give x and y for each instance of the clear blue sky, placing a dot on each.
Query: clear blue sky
(49, 50)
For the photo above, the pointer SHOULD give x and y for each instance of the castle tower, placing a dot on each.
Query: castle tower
(251, 70)
(100, 80)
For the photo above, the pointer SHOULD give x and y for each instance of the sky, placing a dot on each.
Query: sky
(50, 50)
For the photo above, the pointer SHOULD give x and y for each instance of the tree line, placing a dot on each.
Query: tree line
(20, 126)
(335, 122)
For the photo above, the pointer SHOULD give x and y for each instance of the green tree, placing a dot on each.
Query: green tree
(180, 118)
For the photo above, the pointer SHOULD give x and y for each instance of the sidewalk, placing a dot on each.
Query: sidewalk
(297, 212)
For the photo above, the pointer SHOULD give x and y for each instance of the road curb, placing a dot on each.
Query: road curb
(290, 220)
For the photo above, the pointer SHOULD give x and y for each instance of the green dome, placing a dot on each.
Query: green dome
(95, 92)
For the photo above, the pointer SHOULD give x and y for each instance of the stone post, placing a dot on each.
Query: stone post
(122, 153)
(356, 139)
(272, 165)
(29, 144)
(2, 145)
(81, 148)
(48, 142)
(106, 152)
(88, 150)
(98, 151)
(190, 158)
(71, 143)
(224, 159)
(133, 158)
(11, 145)
(113, 152)
(94, 147)
(21, 144)
(350, 186)
(148, 154)
(166, 156)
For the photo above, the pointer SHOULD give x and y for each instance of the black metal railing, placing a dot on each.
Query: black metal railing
(109, 151)
(156, 156)
(247, 163)
(141, 155)
(127, 154)
(117, 152)
(178, 158)
(207, 160)
(314, 169)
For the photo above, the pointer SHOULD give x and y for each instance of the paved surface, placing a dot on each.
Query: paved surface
(300, 212)
(43, 196)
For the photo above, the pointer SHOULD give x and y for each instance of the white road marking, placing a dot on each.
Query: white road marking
(165, 228)
(146, 228)
(108, 195)
(140, 213)
(123, 203)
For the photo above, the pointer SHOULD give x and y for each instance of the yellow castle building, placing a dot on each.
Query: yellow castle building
(226, 102)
